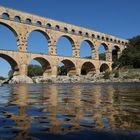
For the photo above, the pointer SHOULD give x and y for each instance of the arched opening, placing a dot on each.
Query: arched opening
(57, 27)
(9, 66)
(38, 42)
(102, 51)
(38, 23)
(48, 25)
(115, 53)
(39, 67)
(66, 67)
(8, 37)
(17, 19)
(88, 69)
(64, 46)
(104, 68)
(5, 16)
(28, 21)
(86, 49)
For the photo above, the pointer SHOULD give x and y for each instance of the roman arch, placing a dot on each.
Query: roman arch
(22, 24)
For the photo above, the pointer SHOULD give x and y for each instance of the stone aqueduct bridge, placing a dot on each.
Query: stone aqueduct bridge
(22, 24)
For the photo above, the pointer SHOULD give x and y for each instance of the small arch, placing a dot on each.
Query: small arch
(45, 65)
(103, 38)
(48, 25)
(38, 23)
(17, 19)
(66, 67)
(104, 67)
(28, 21)
(65, 29)
(80, 32)
(107, 38)
(93, 35)
(5, 16)
(73, 31)
(86, 34)
(98, 36)
(57, 27)
(88, 69)
(126, 43)
(111, 39)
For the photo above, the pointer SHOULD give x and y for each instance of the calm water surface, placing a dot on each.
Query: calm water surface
(70, 111)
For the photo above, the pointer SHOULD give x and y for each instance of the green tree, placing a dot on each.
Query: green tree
(131, 55)
(62, 70)
(35, 70)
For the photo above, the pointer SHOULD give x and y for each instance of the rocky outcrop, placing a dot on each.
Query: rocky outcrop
(20, 79)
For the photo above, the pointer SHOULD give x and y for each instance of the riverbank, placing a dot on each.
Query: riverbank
(116, 76)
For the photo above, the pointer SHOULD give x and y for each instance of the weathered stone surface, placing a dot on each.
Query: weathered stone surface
(20, 79)
(19, 60)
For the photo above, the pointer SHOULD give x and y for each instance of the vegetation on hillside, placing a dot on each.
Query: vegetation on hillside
(130, 57)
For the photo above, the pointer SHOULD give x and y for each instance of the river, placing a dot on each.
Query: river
(70, 111)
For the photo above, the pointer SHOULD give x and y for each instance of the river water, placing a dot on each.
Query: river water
(70, 111)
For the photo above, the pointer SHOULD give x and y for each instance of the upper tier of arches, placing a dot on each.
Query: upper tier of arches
(58, 26)
(48, 37)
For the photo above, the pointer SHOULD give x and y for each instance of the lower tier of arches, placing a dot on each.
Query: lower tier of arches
(53, 65)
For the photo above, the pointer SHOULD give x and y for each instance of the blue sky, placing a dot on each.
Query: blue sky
(117, 17)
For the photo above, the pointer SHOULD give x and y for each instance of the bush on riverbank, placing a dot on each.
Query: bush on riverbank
(2, 78)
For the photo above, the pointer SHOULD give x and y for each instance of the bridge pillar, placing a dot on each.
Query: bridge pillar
(95, 55)
(108, 55)
(23, 69)
(54, 71)
(78, 71)
(22, 40)
(75, 52)
(52, 49)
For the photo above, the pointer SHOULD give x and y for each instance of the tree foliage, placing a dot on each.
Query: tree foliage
(131, 55)
(35, 70)
(62, 70)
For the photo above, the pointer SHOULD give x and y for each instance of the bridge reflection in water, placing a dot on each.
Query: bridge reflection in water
(63, 108)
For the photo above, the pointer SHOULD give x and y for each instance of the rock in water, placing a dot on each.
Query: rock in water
(20, 79)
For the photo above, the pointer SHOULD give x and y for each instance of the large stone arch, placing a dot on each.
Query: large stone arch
(46, 65)
(13, 31)
(91, 45)
(69, 66)
(104, 67)
(42, 32)
(13, 63)
(104, 55)
(88, 68)
(89, 42)
(116, 50)
(69, 38)
(10, 27)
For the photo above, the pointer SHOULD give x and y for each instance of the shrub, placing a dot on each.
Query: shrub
(116, 75)
(2, 78)
(106, 75)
